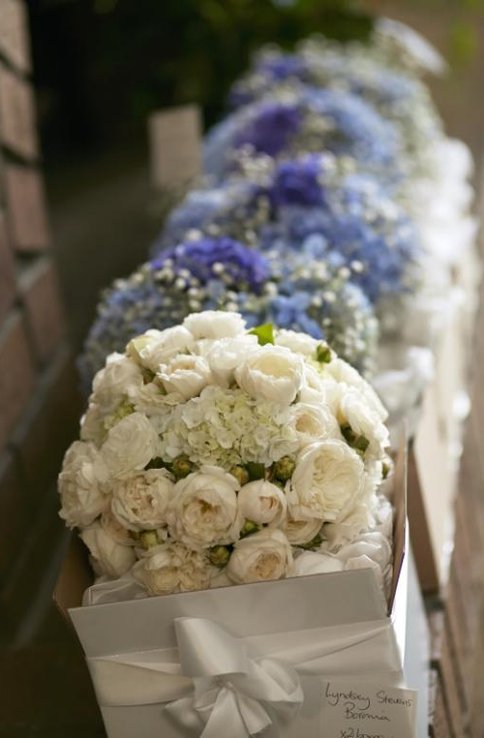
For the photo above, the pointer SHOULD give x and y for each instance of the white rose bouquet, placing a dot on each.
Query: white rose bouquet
(212, 455)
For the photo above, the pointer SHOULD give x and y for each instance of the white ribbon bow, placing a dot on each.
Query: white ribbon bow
(233, 694)
(212, 684)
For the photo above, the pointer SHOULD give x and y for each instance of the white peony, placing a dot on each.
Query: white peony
(171, 567)
(109, 557)
(300, 343)
(204, 510)
(261, 556)
(130, 445)
(327, 481)
(214, 324)
(262, 502)
(185, 374)
(226, 354)
(273, 373)
(299, 532)
(154, 347)
(141, 501)
(117, 381)
(83, 485)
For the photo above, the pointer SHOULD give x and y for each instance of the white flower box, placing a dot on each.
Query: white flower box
(311, 612)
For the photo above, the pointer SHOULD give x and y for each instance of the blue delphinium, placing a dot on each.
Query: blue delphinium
(306, 205)
(204, 273)
(302, 120)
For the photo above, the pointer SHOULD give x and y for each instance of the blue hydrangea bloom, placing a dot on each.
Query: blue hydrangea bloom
(305, 120)
(392, 89)
(220, 273)
(199, 257)
(272, 129)
(306, 205)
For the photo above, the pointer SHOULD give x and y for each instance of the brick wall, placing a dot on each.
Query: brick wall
(39, 406)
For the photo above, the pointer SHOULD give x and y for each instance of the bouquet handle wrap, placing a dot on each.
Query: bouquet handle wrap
(243, 684)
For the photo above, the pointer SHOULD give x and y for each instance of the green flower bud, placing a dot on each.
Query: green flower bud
(219, 556)
(357, 442)
(284, 468)
(148, 539)
(181, 467)
(156, 463)
(248, 528)
(255, 471)
(241, 474)
(323, 353)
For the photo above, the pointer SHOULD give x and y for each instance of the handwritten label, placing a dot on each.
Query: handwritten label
(367, 710)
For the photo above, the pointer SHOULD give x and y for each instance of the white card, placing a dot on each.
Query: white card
(361, 709)
(175, 143)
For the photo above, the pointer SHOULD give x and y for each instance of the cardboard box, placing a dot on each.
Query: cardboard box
(309, 612)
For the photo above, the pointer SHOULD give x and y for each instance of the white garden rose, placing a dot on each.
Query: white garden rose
(140, 502)
(130, 445)
(92, 424)
(300, 343)
(364, 421)
(299, 532)
(358, 520)
(226, 354)
(342, 372)
(109, 557)
(171, 567)
(204, 510)
(115, 530)
(313, 422)
(153, 401)
(83, 485)
(327, 481)
(117, 381)
(313, 562)
(372, 544)
(261, 556)
(214, 324)
(154, 347)
(313, 378)
(273, 373)
(185, 374)
(384, 516)
(262, 502)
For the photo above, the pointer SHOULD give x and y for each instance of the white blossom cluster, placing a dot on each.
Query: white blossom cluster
(212, 455)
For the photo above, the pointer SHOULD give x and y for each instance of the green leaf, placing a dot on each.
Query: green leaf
(264, 333)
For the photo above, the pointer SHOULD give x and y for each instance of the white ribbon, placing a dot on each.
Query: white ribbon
(216, 684)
